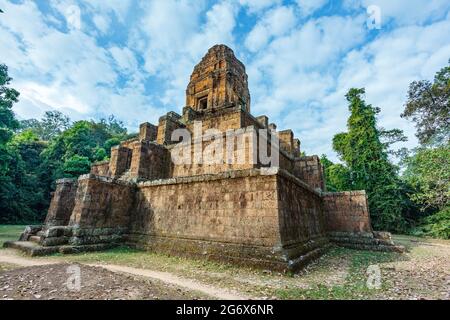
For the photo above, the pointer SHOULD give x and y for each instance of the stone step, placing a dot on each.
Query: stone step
(35, 239)
(30, 248)
(34, 249)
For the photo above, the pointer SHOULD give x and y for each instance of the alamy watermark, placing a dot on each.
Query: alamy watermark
(374, 17)
(73, 282)
(234, 146)
(374, 277)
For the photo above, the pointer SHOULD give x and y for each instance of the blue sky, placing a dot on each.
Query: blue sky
(133, 58)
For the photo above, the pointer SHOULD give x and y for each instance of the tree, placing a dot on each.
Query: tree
(38, 152)
(76, 166)
(428, 105)
(113, 126)
(52, 124)
(8, 124)
(369, 168)
(21, 197)
(8, 96)
(89, 140)
(111, 143)
(427, 168)
(428, 171)
(337, 176)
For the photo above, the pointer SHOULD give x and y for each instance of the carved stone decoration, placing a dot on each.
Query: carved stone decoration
(219, 80)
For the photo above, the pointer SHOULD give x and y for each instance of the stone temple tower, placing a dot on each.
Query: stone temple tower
(219, 80)
(236, 209)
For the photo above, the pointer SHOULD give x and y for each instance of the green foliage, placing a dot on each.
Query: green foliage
(8, 96)
(428, 171)
(367, 166)
(87, 139)
(36, 153)
(337, 176)
(15, 203)
(428, 168)
(109, 144)
(52, 124)
(428, 105)
(100, 154)
(436, 225)
(76, 166)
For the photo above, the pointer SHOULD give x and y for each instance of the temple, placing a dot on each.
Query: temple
(214, 182)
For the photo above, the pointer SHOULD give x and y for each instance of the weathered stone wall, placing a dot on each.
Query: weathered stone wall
(100, 169)
(227, 217)
(128, 143)
(259, 217)
(205, 160)
(301, 212)
(221, 119)
(149, 161)
(235, 207)
(310, 170)
(62, 203)
(101, 202)
(120, 160)
(347, 212)
(286, 140)
(167, 124)
(301, 219)
(148, 132)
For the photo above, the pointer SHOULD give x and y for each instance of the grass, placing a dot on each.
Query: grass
(144, 259)
(354, 285)
(10, 233)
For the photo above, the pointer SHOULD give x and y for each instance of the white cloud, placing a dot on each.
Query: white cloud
(172, 46)
(120, 8)
(292, 64)
(385, 68)
(124, 58)
(102, 23)
(405, 12)
(166, 26)
(275, 22)
(300, 66)
(308, 7)
(255, 6)
(65, 71)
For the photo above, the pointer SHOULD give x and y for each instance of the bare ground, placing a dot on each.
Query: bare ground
(49, 282)
(421, 273)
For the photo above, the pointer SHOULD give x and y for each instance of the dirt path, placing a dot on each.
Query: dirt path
(220, 293)
(11, 257)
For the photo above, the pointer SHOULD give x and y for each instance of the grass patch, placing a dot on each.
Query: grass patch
(354, 286)
(10, 233)
(144, 259)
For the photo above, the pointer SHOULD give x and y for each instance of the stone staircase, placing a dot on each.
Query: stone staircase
(35, 239)
(30, 242)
